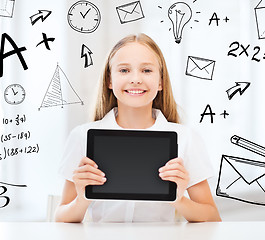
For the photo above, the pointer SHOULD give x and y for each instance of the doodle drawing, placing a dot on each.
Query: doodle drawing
(251, 146)
(200, 68)
(180, 14)
(60, 91)
(86, 53)
(260, 19)
(42, 14)
(130, 12)
(84, 17)
(240, 87)
(241, 179)
(7, 8)
(14, 94)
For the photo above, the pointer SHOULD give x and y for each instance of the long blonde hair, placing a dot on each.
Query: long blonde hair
(164, 99)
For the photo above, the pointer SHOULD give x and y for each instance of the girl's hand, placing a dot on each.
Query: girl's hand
(174, 171)
(87, 173)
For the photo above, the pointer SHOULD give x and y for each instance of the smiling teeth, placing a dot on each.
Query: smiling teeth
(135, 91)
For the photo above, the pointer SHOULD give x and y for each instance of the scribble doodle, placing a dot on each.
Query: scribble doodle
(16, 50)
(60, 91)
(84, 17)
(240, 88)
(7, 8)
(180, 14)
(14, 94)
(86, 53)
(200, 68)
(260, 19)
(130, 12)
(41, 15)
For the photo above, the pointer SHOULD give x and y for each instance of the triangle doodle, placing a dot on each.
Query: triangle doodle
(60, 91)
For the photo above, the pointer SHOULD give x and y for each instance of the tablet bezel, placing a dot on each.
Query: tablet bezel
(172, 187)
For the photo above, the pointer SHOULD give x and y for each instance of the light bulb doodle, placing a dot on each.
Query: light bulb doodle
(180, 14)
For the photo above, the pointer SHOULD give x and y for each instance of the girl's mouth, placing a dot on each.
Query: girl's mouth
(135, 91)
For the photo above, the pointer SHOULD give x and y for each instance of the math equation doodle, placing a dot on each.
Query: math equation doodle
(60, 91)
(4, 199)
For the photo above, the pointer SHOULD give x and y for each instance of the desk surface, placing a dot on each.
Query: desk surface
(135, 231)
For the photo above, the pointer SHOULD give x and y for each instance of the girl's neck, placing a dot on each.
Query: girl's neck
(135, 118)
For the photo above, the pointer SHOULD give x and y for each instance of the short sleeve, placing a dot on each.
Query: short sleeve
(196, 159)
(74, 151)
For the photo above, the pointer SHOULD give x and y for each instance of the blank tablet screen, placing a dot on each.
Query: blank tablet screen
(130, 160)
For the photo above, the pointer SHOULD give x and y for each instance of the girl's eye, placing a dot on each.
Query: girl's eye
(147, 70)
(124, 70)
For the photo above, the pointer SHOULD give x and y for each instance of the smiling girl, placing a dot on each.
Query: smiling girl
(135, 93)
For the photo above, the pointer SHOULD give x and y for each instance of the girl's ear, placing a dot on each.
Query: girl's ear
(110, 82)
(160, 86)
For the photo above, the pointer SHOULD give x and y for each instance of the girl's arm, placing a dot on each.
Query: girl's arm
(73, 205)
(200, 207)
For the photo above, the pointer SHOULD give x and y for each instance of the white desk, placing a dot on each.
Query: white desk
(133, 231)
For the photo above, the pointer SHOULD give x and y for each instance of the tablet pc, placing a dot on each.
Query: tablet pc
(131, 159)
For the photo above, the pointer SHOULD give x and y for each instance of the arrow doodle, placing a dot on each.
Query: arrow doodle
(42, 14)
(240, 87)
(86, 53)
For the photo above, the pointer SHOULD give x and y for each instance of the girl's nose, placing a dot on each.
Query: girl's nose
(136, 79)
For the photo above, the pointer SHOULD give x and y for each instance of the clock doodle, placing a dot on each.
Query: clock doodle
(14, 94)
(84, 17)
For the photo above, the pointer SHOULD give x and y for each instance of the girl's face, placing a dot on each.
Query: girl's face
(135, 76)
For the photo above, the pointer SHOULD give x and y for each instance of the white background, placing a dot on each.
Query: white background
(49, 127)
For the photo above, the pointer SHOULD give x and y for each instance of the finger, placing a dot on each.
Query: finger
(174, 173)
(90, 182)
(89, 168)
(171, 179)
(86, 160)
(89, 176)
(175, 160)
(175, 166)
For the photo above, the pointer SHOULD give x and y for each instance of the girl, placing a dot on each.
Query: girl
(136, 93)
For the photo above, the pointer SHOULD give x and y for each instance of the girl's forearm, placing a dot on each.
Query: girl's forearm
(73, 212)
(197, 212)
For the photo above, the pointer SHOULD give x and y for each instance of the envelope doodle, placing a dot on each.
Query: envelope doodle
(200, 68)
(130, 12)
(6, 8)
(242, 179)
(260, 18)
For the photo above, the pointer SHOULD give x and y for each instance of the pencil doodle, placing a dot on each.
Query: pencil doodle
(16, 50)
(3, 197)
(46, 41)
(7, 8)
(260, 19)
(200, 68)
(130, 12)
(60, 91)
(180, 14)
(84, 17)
(240, 87)
(41, 15)
(251, 146)
(86, 53)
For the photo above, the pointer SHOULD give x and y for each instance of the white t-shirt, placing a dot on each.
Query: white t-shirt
(190, 148)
